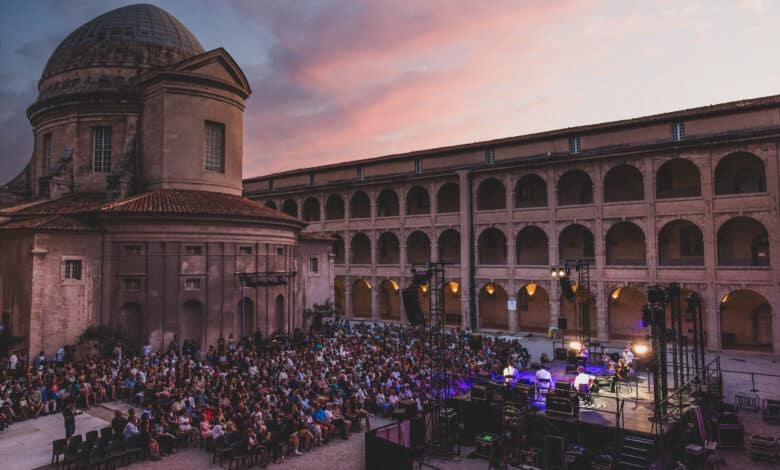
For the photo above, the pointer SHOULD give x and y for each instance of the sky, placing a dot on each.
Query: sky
(338, 80)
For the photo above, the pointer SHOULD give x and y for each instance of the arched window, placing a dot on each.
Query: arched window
(449, 247)
(740, 173)
(334, 207)
(418, 248)
(531, 247)
(448, 198)
(743, 241)
(626, 245)
(290, 207)
(680, 243)
(576, 242)
(360, 249)
(360, 206)
(387, 204)
(677, 178)
(311, 210)
(417, 201)
(491, 246)
(575, 188)
(623, 183)
(491, 195)
(388, 249)
(530, 191)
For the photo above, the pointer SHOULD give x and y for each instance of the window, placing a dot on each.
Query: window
(574, 145)
(314, 265)
(417, 166)
(47, 151)
(691, 243)
(132, 284)
(490, 156)
(214, 153)
(192, 284)
(73, 269)
(132, 250)
(101, 149)
(245, 250)
(193, 250)
(279, 251)
(678, 131)
(360, 173)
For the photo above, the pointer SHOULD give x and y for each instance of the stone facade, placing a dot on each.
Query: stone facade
(130, 212)
(687, 197)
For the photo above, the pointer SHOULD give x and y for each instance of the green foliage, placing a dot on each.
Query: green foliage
(105, 337)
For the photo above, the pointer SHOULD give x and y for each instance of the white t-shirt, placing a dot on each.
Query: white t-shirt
(582, 379)
(543, 374)
(12, 362)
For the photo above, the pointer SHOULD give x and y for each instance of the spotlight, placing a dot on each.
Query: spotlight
(575, 346)
(561, 272)
(454, 286)
(530, 289)
(490, 289)
(640, 349)
(616, 293)
(394, 284)
(554, 273)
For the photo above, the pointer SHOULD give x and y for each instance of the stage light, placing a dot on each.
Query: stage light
(616, 293)
(574, 287)
(368, 284)
(640, 349)
(554, 273)
(575, 346)
(394, 284)
(724, 299)
(531, 289)
(562, 272)
(454, 287)
(490, 289)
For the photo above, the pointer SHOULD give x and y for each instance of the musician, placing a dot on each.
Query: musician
(544, 374)
(621, 373)
(510, 373)
(583, 378)
(628, 356)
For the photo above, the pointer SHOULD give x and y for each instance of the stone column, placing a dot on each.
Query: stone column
(348, 296)
(374, 298)
(35, 339)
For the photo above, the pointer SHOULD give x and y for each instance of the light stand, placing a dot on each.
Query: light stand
(581, 296)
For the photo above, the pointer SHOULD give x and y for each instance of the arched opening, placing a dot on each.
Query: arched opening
(491, 195)
(338, 249)
(740, 173)
(389, 300)
(573, 313)
(340, 294)
(746, 321)
(388, 250)
(418, 248)
(677, 178)
(417, 201)
(493, 312)
(246, 316)
(491, 247)
(623, 183)
(270, 204)
(280, 321)
(191, 323)
(533, 308)
(680, 243)
(452, 311)
(131, 321)
(311, 210)
(449, 247)
(531, 247)
(361, 299)
(334, 207)
(290, 207)
(360, 206)
(575, 188)
(743, 241)
(360, 249)
(387, 204)
(530, 191)
(448, 198)
(626, 245)
(625, 313)
(576, 242)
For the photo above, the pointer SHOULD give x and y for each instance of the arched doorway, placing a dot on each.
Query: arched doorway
(340, 294)
(360, 249)
(533, 308)
(626, 305)
(389, 300)
(493, 313)
(746, 321)
(280, 323)
(191, 323)
(246, 316)
(131, 321)
(361, 299)
(311, 210)
(452, 311)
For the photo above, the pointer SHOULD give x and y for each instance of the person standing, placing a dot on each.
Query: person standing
(69, 413)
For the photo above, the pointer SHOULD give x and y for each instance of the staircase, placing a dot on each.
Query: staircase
(638, 451)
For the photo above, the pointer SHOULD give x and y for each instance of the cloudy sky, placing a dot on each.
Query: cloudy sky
(337, 80)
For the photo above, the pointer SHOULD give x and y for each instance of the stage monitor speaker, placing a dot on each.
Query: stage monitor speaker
(555, 452)
(563, 386)
(475, 342)
(730, 436)
(479, 392)
(563, 323)
(412, 306)
(496, 392)
(772, 411)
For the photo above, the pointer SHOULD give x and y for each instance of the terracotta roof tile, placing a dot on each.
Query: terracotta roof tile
(53, 223)
(71, 204)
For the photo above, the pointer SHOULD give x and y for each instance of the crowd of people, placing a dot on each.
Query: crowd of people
(279, 395)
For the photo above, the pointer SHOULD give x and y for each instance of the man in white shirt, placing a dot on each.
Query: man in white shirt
(544, 374)
(582, 378)
(510, 373)
(628, 357)
(12, 361)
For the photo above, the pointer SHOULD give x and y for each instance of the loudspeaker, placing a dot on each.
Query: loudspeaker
(412, 306)
(417, 431)
(563, 323)
(555, 452)
(730, 436)
(566, 288)
(475, 342)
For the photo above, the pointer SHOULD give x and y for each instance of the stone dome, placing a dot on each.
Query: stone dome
(124, 42)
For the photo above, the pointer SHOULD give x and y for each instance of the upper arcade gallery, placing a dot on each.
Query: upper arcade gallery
(696, 210)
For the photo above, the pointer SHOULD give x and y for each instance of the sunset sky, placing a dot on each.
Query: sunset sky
(337, 80)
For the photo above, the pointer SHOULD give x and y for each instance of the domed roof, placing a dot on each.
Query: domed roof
(138, 36)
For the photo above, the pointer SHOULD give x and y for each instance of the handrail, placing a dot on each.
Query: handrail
(674, 405)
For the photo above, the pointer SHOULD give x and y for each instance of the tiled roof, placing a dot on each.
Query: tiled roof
(316, 236)
(71, 204)
(173, 202)
(50, 223)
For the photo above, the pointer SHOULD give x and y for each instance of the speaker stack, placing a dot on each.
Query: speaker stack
(412, 306)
